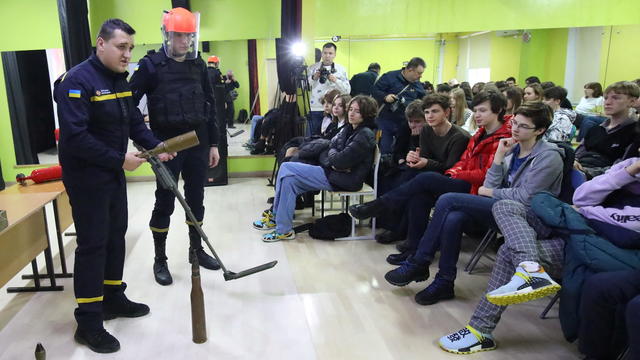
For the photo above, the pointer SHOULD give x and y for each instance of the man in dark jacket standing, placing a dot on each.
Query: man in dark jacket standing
(393, 91)
(180, 99)
(97, 118)
(362, 83)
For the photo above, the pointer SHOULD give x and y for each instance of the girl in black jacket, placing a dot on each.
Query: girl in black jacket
(344, 166)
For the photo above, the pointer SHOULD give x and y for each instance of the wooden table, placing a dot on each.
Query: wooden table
(27, 234)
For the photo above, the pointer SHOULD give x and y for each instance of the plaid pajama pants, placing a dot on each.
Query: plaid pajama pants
(526, 238)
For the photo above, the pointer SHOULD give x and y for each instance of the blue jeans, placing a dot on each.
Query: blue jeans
(417, 197)
(254, 122)
(389, 130)
(587, 123)
(452, 213)
(314, 124)
(294, 179)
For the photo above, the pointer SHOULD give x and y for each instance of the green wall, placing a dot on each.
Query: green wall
(622, 62)
(377, 17)
(505, 57)
(544, 55)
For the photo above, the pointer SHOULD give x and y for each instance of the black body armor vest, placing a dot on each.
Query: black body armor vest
(177, 103)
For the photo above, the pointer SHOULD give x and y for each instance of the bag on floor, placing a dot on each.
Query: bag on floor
(331, 227)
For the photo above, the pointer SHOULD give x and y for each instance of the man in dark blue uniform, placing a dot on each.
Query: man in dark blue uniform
(180, 99)
(394, 91)
(97, 117)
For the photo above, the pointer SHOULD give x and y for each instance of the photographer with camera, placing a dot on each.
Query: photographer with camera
(394, 91)
(325, 75)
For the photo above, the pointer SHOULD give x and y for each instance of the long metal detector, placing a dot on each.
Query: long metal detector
(168, 182)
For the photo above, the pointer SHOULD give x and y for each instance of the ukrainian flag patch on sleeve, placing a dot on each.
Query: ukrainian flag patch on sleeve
(74, 93)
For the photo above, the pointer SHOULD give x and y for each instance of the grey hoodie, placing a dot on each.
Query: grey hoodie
(542, 171)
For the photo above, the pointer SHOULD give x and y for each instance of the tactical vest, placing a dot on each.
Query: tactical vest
(177, 103)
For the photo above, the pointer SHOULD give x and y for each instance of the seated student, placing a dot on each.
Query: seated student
(561, 129)
(523, 165)
(533, 92)
(514, 99)
(606, 143)
(610, 315)
(511, 81)
(441, 145)
(460, 113)
(536, 256)
(328, 115)
(418, 196)
(532, 80)
(443, 89)
(344, 166)
(590, 107)
(477, 87)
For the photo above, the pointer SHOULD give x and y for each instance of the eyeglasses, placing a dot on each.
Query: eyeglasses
(521, 126)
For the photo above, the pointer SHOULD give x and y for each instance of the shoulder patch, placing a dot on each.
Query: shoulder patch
(74, 93)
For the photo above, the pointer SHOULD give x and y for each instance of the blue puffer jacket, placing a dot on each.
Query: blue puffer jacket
(585, 254)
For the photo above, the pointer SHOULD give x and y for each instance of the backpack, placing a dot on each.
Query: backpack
(566, 189)
(331, 227)
(242, 116)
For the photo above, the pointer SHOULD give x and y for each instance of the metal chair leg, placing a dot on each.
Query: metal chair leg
(555, 298)
(480, 249)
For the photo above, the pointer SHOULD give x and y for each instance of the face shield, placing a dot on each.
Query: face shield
(180, 34)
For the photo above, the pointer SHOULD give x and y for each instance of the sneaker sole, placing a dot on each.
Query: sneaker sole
(452, 351)
(510, 299)
(282, 239)
(408, 282)
(262, 228)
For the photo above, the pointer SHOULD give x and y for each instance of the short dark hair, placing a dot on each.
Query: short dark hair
(501, 85)
(368, 107)
(427, 85)
(444, 87)
(436, 99)
(547, 85)
(555, 93)
(541, 114)
(414, 110)
(374, 66)
(415, 62)
(111, 25)
(330, 44)
(510, 78)
(495, 98)
(596, 87)
(532, 79)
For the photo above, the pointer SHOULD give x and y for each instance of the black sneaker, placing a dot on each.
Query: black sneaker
(99, 341)
(398, 259)
(406, 273)
(403, 246)
(388, 237)
(161, 273)
(439, 289)
(205, 260)
(116, 304)
(367, 210)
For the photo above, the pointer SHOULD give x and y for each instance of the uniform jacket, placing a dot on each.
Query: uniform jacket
(350, 157)
(393, 82)
(542, 171)
(478, 157)
(97, 117)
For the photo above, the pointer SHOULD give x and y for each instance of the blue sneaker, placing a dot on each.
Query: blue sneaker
(524, 286)
(407, 272)
(267, 222)
(275, 236)
(467, 341)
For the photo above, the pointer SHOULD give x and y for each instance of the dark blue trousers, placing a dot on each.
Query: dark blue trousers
(192, 164)
(609, 300)
(417, 197)
(453, 213)
(100, 218)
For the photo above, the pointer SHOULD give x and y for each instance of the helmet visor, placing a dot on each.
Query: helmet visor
(181, 45)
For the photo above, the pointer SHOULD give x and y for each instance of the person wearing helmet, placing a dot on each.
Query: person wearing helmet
(180, 99)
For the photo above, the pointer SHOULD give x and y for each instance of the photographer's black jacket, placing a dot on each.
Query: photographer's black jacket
(393, 82)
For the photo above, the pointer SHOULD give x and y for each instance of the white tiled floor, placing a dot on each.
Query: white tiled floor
(324, 300)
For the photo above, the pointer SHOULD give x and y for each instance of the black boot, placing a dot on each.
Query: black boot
(204, 259)
(367, 210)
(98, 340)
(160, 267)
(116, 304)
